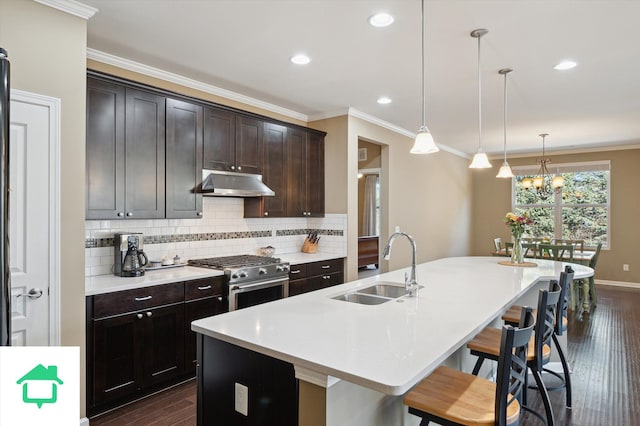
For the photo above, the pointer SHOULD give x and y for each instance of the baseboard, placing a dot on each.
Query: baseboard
(618, 283)
(84, 421)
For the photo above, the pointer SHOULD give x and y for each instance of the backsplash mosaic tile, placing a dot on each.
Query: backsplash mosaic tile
(222, 231)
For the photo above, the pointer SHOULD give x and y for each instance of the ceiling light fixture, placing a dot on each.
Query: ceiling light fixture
(381, 19)
(480, 160)
(424, 143)
(300, 59)
(565, 65)
(544, 182)
(384, 100)
(505, 170)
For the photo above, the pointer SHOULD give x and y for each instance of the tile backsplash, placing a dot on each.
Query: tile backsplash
(222, 231)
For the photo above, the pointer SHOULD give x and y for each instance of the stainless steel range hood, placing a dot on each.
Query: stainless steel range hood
(230, 184)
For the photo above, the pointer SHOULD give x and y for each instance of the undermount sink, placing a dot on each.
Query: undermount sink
(377, 294)
(385, 289)
(363, 299)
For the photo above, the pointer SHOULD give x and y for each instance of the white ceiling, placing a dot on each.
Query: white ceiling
(245, 45)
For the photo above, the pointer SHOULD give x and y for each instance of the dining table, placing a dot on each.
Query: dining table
(580, 257)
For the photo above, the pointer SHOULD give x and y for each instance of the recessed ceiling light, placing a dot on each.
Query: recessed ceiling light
(300, 59)
(565, 65)
(382, 19)
(384, 100)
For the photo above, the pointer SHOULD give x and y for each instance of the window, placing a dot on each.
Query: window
(579, 212)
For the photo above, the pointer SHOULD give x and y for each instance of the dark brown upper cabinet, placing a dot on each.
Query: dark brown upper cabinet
(232, 142)
(183, 159)
(305, 183)
(125, 158)
(274, 175)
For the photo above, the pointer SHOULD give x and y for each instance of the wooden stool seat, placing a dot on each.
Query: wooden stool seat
(488, 342)
(459, 397)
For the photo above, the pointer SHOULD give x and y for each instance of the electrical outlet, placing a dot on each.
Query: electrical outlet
(625, 267)
(242, 399)
(397, 228)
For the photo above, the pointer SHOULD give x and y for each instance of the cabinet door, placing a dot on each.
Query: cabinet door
(248, 145)
(219, 139)
(117, 363)
(184, 159)
(315, 175)
(193, 311)
(163, 356)
(297, 175)
(105, 150)
(274, 175)
(145, 154)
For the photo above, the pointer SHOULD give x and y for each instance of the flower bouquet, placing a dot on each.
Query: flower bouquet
(518, 226)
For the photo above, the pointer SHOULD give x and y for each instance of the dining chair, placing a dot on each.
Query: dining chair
(560, 252)
(578, 244)
(497, 243)
(593, 297)
(452, 397)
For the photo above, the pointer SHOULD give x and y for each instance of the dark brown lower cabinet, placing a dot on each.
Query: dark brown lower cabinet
(306, 277)
(135, 348)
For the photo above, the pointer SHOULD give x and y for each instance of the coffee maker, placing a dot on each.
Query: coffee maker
(129, 259)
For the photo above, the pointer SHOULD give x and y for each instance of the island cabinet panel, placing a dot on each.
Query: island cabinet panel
(272, 387)
(105, 150)
(203, 298)
(305, 174)
(308, 277)
(219, 139)
(183, 159)
(274, 175)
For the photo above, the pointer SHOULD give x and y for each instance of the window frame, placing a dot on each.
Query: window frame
(558, 204)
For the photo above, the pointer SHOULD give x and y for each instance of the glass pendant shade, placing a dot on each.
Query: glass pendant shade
(538, 181)
(526, 183)
(480, 161)
(558, 182)
(424, 143)
(505, 171)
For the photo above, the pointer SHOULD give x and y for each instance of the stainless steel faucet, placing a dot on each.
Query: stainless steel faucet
(410, 282)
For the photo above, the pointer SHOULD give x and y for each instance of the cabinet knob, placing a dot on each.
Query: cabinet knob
(129, 214)
(120, 214)
(266, 213)
(239, 167)
(149, 314)
(233, 167)
(220, 299)
(326, 277)
(199, 213)
(139, 316)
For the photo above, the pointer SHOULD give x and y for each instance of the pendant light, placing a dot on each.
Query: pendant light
(505, 169)
(424, 143)
(480, 160)
(544, 184)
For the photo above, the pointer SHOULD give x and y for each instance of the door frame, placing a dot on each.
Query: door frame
(53, 215)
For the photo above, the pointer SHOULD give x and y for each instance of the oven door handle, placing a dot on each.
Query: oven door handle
(236, 288)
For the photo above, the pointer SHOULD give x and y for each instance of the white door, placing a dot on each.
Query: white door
(31, 147)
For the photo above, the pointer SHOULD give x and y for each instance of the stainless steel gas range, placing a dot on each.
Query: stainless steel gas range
(252, 279)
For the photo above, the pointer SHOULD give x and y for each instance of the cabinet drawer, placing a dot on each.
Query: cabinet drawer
(297, 272)
(120, 302)
(325, 280)
(324, 267)
(206, 287)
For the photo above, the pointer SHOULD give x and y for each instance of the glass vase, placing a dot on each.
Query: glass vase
(517, 253)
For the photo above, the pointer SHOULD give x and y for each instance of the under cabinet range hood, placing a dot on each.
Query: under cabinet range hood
(231, 184)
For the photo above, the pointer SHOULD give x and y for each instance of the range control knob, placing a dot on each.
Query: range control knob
(243, 274)
(279, 268)
(234, 275)
(262, 271)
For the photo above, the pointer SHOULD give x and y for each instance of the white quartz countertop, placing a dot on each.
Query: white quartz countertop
(100, 284)
(391, 346)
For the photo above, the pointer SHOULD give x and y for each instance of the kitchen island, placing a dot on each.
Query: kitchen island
(349, 363)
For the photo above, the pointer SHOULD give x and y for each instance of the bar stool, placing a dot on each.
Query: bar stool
(452, 397)
(560, 327)
(486, 345)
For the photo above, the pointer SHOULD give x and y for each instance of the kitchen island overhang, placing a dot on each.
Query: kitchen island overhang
(389, 347)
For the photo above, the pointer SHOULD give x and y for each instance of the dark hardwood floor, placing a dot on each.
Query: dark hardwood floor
(603, 353)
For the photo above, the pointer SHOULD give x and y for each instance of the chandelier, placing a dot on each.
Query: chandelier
(544, 182)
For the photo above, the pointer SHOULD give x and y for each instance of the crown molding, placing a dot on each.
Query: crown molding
(137, 67)
(71, 6)
(573, 150)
